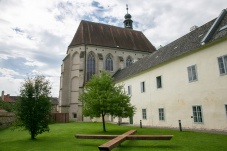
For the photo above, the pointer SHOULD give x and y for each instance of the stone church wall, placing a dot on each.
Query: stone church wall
(74, 73)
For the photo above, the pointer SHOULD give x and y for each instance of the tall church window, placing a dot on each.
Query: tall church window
(128, 61)
(109, 63)
(90, 66)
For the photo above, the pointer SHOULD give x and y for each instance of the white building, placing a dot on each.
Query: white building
(185, 80)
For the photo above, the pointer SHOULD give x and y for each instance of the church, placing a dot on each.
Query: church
(184, 81)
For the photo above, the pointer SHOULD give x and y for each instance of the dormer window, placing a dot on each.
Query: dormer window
(223, 28)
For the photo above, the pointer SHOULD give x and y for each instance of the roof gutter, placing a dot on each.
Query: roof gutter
(213, 27)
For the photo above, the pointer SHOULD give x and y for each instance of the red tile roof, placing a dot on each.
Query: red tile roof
(3, 111)
(8, 99)
(90, 33)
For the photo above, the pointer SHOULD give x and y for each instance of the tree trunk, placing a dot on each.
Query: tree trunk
(32, 135)
(103, 122)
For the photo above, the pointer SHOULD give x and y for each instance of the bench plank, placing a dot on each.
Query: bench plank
(149, 137)
(129, 137)
(116, 141)
(86, 136)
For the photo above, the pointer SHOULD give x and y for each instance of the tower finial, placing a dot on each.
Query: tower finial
(128, 21)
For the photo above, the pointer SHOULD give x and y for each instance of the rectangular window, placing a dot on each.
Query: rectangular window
(222, 62)
(74, 115)
(144, 114)
(161, 114)
(197, 114)
(192, 73)
(142, 85)
(129, 90)
(159, 82)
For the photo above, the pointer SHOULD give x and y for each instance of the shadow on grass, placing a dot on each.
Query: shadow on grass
(135, 147)
(149, 147)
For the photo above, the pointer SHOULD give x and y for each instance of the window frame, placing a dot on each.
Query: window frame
(161, 114)
(142, 86)
(197, 118)
(224, 62)
(159, 82)
(74, 115)
(144, 114)
(109, 63)
(191, 74)
(128, 61)
(90, 65)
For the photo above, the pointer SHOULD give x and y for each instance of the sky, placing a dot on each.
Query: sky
(35, 34)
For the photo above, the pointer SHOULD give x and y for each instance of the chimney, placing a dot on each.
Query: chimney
(2, 95)
(193, 28)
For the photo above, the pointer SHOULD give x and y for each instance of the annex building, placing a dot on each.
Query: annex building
(185, 80)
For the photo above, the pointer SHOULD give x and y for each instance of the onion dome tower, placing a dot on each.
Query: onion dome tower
(128, 21)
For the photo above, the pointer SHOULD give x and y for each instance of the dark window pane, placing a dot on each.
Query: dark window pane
(90, 66)
(221, 65)
(159, 82)
(109, 63)
(128, 61)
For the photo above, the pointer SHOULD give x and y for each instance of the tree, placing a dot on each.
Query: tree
(101, 97)
(6, 106)
(33, 109)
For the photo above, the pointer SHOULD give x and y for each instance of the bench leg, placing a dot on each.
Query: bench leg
(103, 149)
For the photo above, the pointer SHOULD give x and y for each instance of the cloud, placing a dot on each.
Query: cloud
(4, 72)
(35, 34)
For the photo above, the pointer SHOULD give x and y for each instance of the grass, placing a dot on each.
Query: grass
(61, 138)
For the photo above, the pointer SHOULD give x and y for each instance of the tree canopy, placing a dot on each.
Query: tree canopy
(101, 97)
(33, 109)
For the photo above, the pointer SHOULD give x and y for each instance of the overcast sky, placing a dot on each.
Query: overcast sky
(35, 34)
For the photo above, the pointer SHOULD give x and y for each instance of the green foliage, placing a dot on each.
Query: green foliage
(101, 97)
(33, 109)
(6, 106)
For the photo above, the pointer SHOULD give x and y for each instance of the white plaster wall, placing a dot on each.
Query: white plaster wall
(178, 95)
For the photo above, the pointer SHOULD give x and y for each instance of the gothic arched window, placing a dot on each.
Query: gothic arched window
(109, 63)
(90, 66)
(128, 61)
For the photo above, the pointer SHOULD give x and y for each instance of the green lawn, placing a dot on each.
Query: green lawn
(61, 138)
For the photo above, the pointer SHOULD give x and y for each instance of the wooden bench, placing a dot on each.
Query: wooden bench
(118, 139)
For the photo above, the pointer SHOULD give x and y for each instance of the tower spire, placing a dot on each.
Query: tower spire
(128, 21)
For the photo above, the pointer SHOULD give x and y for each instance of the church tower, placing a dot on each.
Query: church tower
(128, 21)
(96, 47)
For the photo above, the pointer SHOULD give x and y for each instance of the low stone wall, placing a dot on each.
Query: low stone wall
(6, 119)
